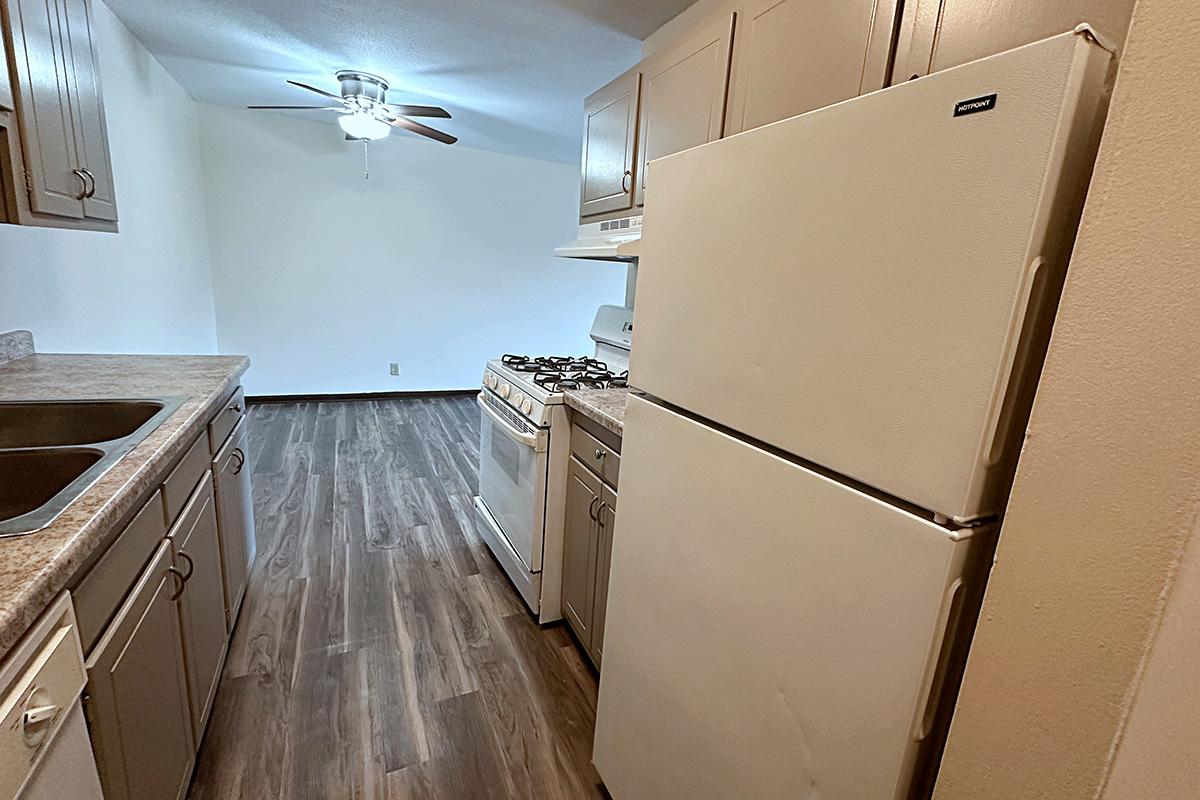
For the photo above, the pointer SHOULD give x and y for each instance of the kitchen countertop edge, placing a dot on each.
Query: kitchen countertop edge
(23, 599)
(604, 406)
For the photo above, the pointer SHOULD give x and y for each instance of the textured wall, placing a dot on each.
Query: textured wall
(148, 288)
(443, 259)
(1084, 628)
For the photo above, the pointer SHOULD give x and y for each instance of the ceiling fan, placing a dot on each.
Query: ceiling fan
(365, 113)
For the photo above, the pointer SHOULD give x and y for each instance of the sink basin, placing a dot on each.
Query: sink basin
(31, 478)
(54, 424)
(51, 452)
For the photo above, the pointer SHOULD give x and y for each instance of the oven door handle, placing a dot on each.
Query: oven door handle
(531, 440)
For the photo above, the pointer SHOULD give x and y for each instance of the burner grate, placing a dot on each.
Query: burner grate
(556, 373)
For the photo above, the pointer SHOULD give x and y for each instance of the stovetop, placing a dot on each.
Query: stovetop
(558, 373)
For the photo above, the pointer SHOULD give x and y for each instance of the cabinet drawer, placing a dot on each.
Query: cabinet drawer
(43, 675)
(180, 484)
(99, 594)
(226, 420)
(601, 458)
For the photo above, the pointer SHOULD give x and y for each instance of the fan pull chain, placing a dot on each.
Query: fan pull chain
(366, 161)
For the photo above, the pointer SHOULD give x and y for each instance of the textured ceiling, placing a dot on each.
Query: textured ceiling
(512, 72)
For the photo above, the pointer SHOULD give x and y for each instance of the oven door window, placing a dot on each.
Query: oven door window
(512, 483)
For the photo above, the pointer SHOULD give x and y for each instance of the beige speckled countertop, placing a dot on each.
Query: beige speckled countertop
(36, 567)
(605, 406)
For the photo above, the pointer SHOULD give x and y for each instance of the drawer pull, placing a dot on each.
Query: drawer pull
(38, 719)
(182, 581)
(236, 408)
(36, 716)
(191, 565)
(599, 454)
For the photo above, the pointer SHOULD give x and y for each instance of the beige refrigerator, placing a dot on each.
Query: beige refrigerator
(840, 323)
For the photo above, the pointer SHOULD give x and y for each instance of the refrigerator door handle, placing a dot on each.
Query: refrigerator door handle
(999, 412)
(939, 659)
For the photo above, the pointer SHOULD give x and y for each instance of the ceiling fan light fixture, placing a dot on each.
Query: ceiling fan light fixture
(362, 125)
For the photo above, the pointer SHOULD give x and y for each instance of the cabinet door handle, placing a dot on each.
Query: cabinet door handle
(92, 178)
(241, 457)
(191, 565)
(82, 175)
(600, 514)
(625, 180)
(182, 580)
(592, 514)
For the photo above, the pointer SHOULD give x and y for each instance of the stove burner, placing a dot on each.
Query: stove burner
(556, 373)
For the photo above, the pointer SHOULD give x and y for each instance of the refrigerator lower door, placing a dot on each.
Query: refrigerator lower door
(770, 633)
(869, 286)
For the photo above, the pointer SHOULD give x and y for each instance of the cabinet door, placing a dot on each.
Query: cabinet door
(91, 130)
(579, 549)
(792, 56)
(609, 147)
(202, 604)
(137, 695)
(683, 95)
(938, 34)
(235, 518)
(606, 521)
(41, 56)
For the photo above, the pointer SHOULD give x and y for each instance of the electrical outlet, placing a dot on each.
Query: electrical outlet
(394, 369)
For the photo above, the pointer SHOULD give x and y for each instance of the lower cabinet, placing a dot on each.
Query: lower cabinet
(157, 610)
(606, 516)
(202, 603)
(587, 549)
(579, 550)
(137, 692)
(235, 516)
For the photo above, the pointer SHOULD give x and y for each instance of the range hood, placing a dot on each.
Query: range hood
(611, 240)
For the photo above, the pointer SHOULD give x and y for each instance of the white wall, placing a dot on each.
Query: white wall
(441, 260)
(148, 288)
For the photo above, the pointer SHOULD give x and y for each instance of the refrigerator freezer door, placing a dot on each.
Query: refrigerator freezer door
(849, 285)
(770, 632)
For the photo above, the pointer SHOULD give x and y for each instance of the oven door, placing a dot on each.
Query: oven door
(513, 467)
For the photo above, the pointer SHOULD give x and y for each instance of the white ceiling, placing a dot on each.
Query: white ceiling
(512, 72)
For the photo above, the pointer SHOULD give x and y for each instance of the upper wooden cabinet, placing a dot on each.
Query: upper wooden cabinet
(937, 34)
(792, 56)
(683, 95)
(63, 139)
(610, 147)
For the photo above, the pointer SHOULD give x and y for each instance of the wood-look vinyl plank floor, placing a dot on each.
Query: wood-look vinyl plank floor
(381, 653)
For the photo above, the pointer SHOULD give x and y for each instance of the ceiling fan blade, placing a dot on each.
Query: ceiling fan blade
(321, 92)
(296, 108)
(418, 111)
(423, 130)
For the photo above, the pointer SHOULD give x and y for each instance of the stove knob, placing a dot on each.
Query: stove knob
(504, 390)
(518, 399)
(527, 406)
(489, 381)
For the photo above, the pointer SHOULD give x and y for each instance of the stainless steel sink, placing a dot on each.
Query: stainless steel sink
(51, 452)
(54, 424)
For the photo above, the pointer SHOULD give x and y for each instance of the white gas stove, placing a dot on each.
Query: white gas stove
(524, 448)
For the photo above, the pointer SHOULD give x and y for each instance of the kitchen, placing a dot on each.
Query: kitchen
(653, 472)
